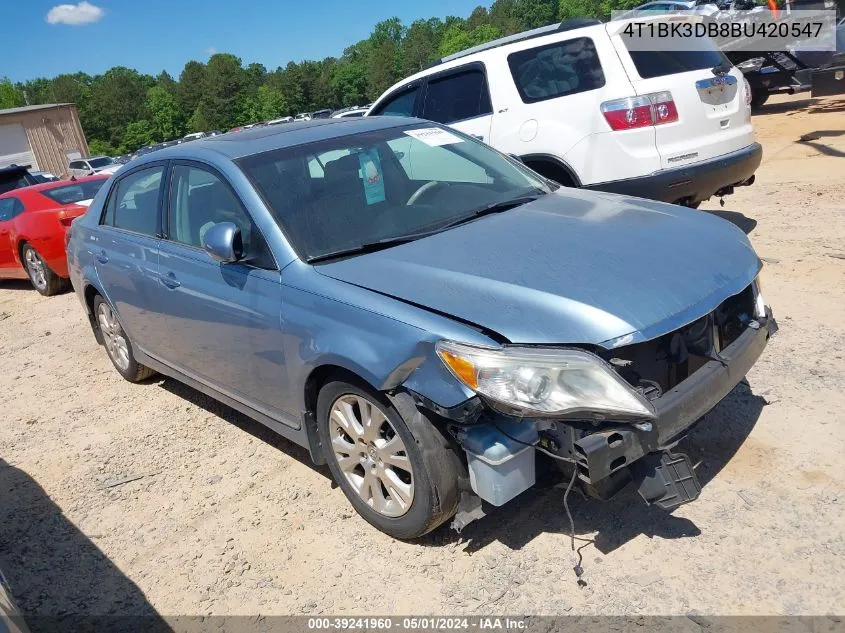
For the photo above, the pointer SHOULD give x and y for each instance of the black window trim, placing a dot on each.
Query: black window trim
(457, 70)
(164, 216)
(165, 177)
(531, 100)
(418, 84)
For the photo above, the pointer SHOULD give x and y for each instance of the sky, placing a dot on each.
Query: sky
(48, 38)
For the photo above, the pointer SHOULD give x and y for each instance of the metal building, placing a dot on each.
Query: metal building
(46, 137)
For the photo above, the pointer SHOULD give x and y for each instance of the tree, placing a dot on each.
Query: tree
(117, 99)
(137, 134)
(419, 48)
(162, 112)
(191, 86)
(224, 80)
(167, 82)
(10, 97)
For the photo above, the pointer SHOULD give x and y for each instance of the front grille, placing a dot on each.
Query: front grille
(655, 366)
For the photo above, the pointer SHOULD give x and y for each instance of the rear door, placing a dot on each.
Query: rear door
(713, 118)
(125, 249)
(460, 98)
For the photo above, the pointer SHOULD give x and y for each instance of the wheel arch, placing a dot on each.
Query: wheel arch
(552, 167)
(89, 292)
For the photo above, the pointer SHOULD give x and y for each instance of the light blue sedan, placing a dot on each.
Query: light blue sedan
(423, 313)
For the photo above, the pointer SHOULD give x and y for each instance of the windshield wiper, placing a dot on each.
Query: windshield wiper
(371, 247)
(496, 207)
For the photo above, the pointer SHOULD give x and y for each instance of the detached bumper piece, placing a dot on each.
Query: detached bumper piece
(668, 481)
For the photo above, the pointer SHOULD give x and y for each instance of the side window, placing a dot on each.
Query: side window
(457, 97)
(556, 70)
(75, 165)
(401, 104)
(9, 208)
(198, 201)
(133, 203)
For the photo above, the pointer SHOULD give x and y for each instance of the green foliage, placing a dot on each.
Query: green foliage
(136, 134)
(10, 97)
(123, 110)
(163, 113)
(97, 147)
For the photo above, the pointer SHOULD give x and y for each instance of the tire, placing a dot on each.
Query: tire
(117, 344)
(758, 98)
(43, 279)
(432, 469)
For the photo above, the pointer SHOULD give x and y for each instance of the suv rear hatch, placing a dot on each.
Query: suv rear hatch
(708, 92)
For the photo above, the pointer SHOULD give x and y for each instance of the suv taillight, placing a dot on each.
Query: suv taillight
(643, 111)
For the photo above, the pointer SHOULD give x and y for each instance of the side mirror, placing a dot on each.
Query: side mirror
(224, 243)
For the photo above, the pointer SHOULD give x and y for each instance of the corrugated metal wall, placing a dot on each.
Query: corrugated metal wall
(52, 134)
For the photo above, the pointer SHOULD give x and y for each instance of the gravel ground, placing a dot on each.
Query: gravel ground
(223, 517)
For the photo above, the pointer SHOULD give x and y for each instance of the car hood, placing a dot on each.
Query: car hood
(571, 267)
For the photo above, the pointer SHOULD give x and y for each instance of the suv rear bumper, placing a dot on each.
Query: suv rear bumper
(694, 183)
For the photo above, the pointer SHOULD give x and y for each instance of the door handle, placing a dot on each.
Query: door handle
(170, 281)
(102, 258)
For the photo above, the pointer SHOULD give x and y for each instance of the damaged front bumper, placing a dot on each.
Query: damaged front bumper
(501, 451)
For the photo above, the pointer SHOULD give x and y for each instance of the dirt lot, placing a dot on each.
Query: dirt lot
(226, 518)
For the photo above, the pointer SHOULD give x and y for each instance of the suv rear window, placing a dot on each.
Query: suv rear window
(659, 63)
(556, 70)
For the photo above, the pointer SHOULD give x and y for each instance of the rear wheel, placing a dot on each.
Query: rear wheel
(400, 475)
(43, 279)
(758, 97)
(117, 343)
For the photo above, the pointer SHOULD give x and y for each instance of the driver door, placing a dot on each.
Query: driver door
(220, 323)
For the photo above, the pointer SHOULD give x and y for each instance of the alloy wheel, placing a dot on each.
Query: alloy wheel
(35, 268)
(371, 455)
(113, 337)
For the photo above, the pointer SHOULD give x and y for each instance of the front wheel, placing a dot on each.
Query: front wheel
(43, 279)
(400, 475)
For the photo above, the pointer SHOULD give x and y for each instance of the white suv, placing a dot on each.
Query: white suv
(577, 106)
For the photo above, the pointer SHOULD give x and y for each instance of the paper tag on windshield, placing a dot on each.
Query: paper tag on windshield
(434, 136)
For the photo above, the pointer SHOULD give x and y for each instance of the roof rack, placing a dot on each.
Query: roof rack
(566, 25)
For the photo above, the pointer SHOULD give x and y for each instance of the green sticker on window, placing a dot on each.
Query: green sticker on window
(371, 175)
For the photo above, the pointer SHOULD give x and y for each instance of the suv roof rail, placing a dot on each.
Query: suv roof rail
(566, 25)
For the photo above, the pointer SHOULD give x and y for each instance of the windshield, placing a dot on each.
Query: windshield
(97, 163)
(347, 192)
(77, 192)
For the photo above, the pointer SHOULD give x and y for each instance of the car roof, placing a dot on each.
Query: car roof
(234, 145)
(55, 184)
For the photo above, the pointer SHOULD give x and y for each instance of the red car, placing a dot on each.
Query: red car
(33, 223)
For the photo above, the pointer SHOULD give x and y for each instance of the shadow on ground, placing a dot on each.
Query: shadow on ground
(812, 139)
(243, 422)
(710, 445)
(810, 105)
(60, 580)
(743, 222)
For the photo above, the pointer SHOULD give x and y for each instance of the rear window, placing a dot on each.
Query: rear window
(77, 192)
(556, 70)
(659, 63)
(96, 163)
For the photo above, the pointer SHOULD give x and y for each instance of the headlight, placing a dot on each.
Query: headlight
(551, 382)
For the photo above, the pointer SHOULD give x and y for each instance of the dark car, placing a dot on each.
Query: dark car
(422, 312)
(16, 176)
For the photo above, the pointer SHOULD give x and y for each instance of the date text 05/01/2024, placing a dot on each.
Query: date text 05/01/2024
(419, 623)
